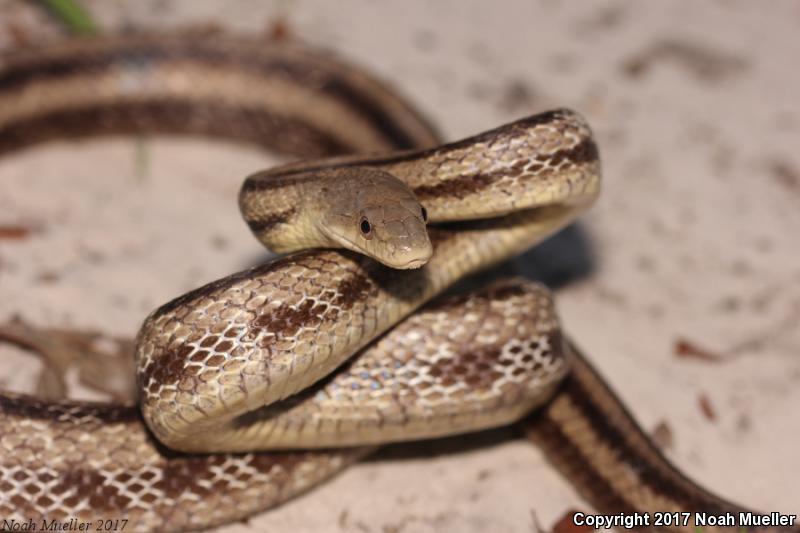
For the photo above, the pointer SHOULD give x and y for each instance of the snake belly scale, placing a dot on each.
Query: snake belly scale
(245, 363)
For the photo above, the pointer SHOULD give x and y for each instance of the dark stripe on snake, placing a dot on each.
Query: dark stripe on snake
(275, 179)
(604, 416)
(141, 56)
(266, 223)
(216, 119)
(280, 321)
(28, 407)
(586, 150)
(549, 435)
(616, 439)
(467, 184)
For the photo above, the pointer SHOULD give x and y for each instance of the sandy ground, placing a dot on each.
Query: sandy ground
(695, 238)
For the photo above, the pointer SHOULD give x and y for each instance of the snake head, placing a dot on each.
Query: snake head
(376, 214)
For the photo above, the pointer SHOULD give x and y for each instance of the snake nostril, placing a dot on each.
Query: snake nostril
(424, 215)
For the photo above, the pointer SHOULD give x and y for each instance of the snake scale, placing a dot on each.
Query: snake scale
(249, 362)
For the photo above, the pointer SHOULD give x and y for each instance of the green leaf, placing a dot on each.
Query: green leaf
(72, 15)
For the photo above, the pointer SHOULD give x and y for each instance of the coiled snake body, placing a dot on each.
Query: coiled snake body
(229, 368)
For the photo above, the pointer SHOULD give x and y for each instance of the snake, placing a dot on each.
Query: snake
(259, 386)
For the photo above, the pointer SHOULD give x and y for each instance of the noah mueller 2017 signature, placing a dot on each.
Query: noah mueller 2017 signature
(73, 524)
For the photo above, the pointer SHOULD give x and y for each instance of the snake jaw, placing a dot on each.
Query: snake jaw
(403, 257)
(412, 256)
(413, 264)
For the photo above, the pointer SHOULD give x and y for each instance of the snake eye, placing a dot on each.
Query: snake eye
(366, 227)
(424, 215)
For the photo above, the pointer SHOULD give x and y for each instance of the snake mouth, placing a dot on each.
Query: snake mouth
(412, 264)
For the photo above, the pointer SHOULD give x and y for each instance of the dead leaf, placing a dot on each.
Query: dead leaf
(688, 350)
(567, 524)
(15, 233)
(278, 31)
(706, 408)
